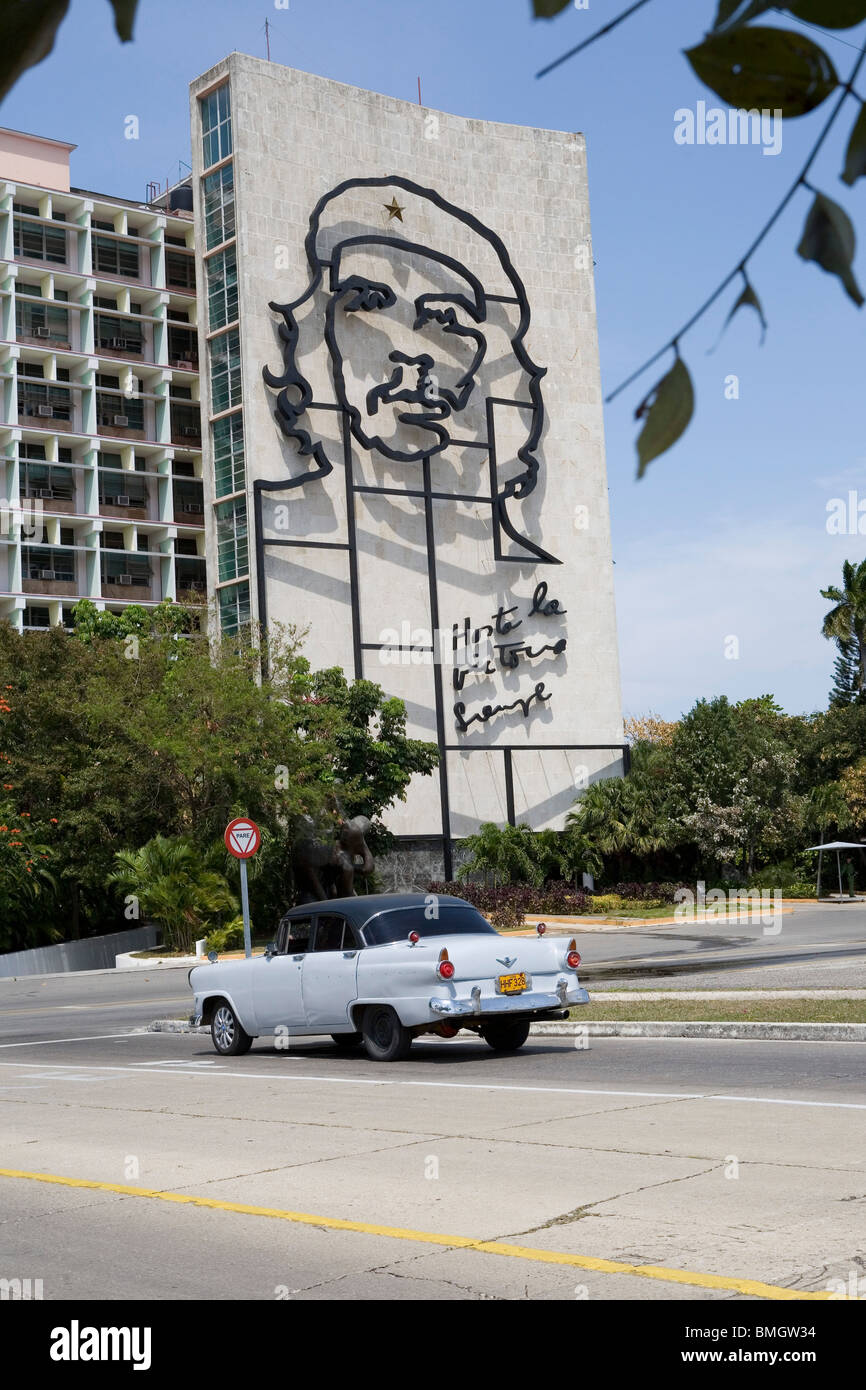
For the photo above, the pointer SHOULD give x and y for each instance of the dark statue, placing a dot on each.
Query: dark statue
(325, 867)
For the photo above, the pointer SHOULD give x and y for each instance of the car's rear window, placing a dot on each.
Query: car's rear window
(396, 923)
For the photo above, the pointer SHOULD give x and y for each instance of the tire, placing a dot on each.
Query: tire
(228, 1037)
(347, 1042)
(506, 1035)
(385, 1038)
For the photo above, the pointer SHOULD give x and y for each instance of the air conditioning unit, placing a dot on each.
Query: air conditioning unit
(41, 332)
(184, 365)
(190, 432)
(196, 584)
(47, 574)
(121, 500)
(124, 579)
(193, 507)
(45, 410)
(121, 420)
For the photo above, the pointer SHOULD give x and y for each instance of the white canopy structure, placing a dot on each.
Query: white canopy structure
(838, 846)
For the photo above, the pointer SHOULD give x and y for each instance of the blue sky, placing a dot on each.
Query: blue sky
(726, 536)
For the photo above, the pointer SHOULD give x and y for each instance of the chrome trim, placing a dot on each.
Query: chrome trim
(507, 1003)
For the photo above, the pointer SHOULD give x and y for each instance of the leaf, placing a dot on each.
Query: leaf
(733, 13)
(747, 300)
(668, 409)
(828, 239)
(546, 9)
(830, 14)
(27, 32)
(767, 69)
(124, 18)
(855, 157)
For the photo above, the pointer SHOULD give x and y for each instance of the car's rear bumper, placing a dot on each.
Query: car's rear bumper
(507, 1004)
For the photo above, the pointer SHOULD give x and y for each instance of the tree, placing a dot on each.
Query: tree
(845, 624)
(507, 852)
(173, 888)
(756, 68)
(846, 676)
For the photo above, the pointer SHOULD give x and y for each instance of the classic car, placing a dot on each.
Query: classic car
(382, 969)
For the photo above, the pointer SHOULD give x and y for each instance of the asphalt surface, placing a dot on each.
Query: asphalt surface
(629, 1169)
(713, 1163)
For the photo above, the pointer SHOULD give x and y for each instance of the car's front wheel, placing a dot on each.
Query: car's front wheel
(506, 1035)
(229, 1038)
(385, 1038)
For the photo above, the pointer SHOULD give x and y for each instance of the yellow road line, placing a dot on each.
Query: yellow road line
(751, 1287)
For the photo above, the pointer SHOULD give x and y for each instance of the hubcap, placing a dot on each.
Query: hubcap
(382, 1030)
(224, 1028)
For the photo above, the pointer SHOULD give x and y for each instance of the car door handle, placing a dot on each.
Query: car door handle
(297, 957)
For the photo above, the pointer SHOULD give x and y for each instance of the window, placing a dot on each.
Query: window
(216, 126)
(333, 934)
(222, 288)
(36, 617)
(219, 206)
(40, 398)
(189, 497)
(228, 454)
(293, 935)
(114, 257)
(116, 486)
(48, 564)
(234, 606)
(225, 372)
(35, 242)
(180, 270)
(231, 525)
(395, 923)
(47, 481)
(119, 335)
(185, 546)
(114, 409)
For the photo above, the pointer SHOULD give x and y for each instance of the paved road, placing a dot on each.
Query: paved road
(724, 1162)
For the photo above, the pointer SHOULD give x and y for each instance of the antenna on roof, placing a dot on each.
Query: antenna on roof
(419, 91)
(268, 38)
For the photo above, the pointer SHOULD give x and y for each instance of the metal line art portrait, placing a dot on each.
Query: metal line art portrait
(413, 419)
(416, 408)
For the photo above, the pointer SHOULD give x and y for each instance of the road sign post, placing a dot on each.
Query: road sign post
(242, 839)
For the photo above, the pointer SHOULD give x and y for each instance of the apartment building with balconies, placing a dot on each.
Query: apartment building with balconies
(101, 492)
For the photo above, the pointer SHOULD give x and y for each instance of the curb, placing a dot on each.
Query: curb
(766, 1032)
(755, 1032)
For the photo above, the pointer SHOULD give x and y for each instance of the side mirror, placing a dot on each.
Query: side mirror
(270, 950)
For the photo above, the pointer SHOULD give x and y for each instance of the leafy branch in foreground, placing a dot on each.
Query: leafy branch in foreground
(28, 29)
(755, 69)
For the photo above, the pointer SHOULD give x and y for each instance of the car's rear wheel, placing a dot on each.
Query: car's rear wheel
(385, 1038)
(347, 1042)
(506, 1035)
(229, 1038)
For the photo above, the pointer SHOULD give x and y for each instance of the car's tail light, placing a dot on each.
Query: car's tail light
(572, 960)
(414, 938)
(541, 928)
(445, 968)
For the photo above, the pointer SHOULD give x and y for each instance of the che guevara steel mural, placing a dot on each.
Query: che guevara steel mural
(408, 330)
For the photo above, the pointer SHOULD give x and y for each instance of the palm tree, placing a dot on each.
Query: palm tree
(174, 889)
(845, 624)
(507, 852)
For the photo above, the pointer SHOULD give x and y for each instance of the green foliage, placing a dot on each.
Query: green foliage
(174, 889)
(507, 852)
(666, 412)
(845, 625)
(828, 239)
(227, 938)
(28, 29)
(765, 69)
(110, 742)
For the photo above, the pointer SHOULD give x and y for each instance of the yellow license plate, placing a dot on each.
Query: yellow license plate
(512, 984)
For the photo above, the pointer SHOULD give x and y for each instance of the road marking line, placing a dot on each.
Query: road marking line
(192, 1069)
(94, 1037)
(751, 1287)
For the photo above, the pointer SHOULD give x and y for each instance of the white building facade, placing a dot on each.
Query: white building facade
(404, 448)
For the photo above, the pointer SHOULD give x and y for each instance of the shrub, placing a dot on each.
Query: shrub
(227, 938)
(507, 905)
(664, 892)
(616, 902)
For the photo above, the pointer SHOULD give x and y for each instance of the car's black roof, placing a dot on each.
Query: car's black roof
(361, 910)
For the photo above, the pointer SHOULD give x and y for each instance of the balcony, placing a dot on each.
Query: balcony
(188, 503)
(190, 577)
(49, 408)
(186, 425)
(129, 579)
(48, 571)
